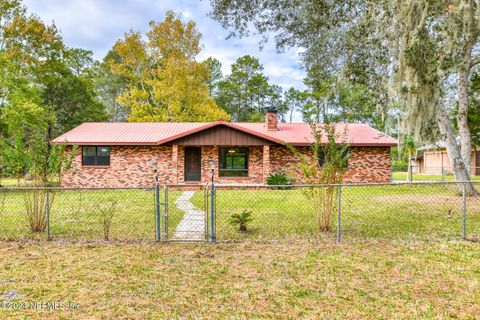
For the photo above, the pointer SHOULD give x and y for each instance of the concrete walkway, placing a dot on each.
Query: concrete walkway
(192, 226)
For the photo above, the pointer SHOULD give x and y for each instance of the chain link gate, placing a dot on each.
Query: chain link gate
(182, 213)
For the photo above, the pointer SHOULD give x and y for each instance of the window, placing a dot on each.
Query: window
(322, 157)
(233, 162)
(96, 156)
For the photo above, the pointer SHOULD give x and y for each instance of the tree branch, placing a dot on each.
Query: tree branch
(475, 62)
(10, 145)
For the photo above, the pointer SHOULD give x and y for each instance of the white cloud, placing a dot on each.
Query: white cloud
(97, 24)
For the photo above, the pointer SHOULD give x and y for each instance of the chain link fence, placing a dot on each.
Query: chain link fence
(72, 214)
(415, 211)
(401, 211)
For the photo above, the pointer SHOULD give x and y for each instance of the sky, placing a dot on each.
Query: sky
(97, 24)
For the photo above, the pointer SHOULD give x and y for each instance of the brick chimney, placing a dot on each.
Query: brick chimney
(271, 119)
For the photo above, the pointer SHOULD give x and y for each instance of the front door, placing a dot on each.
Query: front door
(193, 163)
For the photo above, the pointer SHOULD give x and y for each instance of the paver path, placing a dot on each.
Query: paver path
(192, 226)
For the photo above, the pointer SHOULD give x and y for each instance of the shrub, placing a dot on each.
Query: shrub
(106, 217)
(36, 171)
(241, 220)
(399, 165)
(36, 206)
(327, 166)
(279, 179)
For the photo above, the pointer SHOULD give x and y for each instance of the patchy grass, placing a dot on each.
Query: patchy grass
(313, 279)
(402, 176)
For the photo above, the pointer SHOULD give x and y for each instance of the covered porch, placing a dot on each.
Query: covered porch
(236, 156)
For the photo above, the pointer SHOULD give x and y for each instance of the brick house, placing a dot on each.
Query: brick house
(126, 154)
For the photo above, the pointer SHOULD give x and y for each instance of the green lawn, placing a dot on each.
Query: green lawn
(297, 279)
(393, 212)
(8, 182)
(402, 176)
(401, 212)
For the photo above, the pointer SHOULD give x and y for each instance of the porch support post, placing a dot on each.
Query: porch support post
(266, 163)
(175, 163)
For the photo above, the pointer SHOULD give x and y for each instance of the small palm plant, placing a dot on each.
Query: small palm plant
(241, 220)
(279, 179)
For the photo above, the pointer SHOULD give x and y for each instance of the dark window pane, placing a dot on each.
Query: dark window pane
(321, 157)
(89, 151)
(103, 161)
(233, 162)
(103, 151)
(88, 161)
(89, 154)
(96, 156)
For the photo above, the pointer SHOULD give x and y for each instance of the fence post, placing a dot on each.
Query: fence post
(443, 175)
(464, 211)
(212, 213)
(206, 196)
(410, 169)
(47, 212)
(157, 210)
(339, 213)
(165, 212)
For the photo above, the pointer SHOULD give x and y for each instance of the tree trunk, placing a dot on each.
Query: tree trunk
(458, 165)
(399, 138)
(462, 116)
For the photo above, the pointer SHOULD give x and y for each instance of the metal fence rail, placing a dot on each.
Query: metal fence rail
(400, 211)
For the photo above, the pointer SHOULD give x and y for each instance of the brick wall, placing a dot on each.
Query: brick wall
(366, 164)
(132, 166)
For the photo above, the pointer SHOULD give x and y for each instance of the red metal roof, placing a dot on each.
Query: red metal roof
(156, 133)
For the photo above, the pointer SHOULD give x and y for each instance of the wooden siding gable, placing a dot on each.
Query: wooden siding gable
(220, 136)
